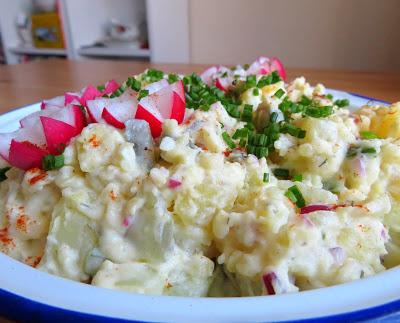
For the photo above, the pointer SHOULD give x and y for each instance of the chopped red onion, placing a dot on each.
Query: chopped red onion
(359, 166)
(127, 221)
(173, 183)
(314, 208)
(269, 280)
(338, 255)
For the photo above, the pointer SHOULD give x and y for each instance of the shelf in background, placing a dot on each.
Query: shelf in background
(114, 52)
(38, 51)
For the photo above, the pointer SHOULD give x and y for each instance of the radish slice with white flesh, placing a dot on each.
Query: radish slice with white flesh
(168, 101)
(57, 133)
(58, 101)
(118, 110)
(260, 66)
(156, 86)
(89, 93)
(276, 65)
(148, 112)
(110, 87)
(71, 98)
(222, 84)
(208, 75)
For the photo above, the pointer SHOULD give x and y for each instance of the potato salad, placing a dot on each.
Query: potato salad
(235, 182)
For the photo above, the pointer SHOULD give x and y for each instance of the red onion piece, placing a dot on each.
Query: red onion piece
(269, 279)
(338, 255)
(127, 221)
(315, 207)
(359, 166)
(173, 183)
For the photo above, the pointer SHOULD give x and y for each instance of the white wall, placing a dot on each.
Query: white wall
(348, 34)
(88, 19)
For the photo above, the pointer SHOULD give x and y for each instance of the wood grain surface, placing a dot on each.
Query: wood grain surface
(29, 83)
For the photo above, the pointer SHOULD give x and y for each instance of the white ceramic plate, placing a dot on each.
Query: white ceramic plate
(28, 294)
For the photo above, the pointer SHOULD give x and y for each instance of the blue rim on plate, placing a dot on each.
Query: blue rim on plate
(16, 306)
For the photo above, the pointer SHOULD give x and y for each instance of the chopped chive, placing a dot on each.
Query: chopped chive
(368, 135)
(228, 140)
(298, 178)
(52, 162)
(281, 173)
(240, 133)
(246, 67)
(342, 103)
(293, 130)
(134, 84)
(172, 78)
(266, 177)
(300, 202)
(291, 196)
(251, 81)
(101, 88)
(273, 117)
(3, 172)
(368, 150)
(279, 93)
(247, 113)
(318, 112)
(242, 142)
(256, 91)
(329, 96)
(305, 101)
(142, 94)
(225, 74)
(352, 152)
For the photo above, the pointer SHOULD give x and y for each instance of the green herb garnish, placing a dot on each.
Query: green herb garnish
(368, 135)
(142, 94)
(342, 103)
(52, 162)
(279, 93)
(228, 140)
(266, 177)
(294, 194)
(298, 178)
(281, 173)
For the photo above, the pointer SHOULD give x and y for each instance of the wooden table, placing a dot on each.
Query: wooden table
(28, 83)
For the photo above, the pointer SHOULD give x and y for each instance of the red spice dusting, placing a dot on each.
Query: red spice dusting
(33, 261)
(227, 153)
(41, 175)
(94, 141)
(113, 196)
(21, 223)
(5, 239)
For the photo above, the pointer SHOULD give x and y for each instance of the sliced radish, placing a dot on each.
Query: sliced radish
(58, 101)
(208, 75)
(90, 93)
(111, 86)
(179, 88)
(270, 279)
(71, 98)
(25, 155)
(79, 118)
(315, 207)
(150, 114)
(260, 66)
(222, 84)
(276, 65)
(178, 108)
(33, 118)
(58, 134)
(156, 86)
(121, 108)
(108, 117)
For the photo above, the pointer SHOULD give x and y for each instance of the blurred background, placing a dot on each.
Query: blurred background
(328, 34)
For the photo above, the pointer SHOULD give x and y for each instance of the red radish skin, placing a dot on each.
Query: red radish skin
(69, 98)
(42, 105)
(111, 87)
(57, 133)
(178, 108)
(154, 123)
(277, 65)
(108, 117)
(26, 155)
(219, 85)
(80, 119)
(90, 93)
